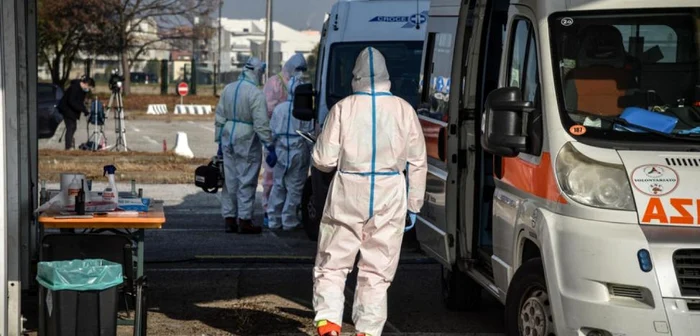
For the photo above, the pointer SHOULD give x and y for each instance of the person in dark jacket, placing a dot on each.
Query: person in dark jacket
(73, 104)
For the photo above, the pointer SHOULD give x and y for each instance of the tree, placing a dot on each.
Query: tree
(63, 30)
(132, 24)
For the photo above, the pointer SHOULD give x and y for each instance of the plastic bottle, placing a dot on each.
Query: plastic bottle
(73, 190)
(133, 188)
(80, 200)
(110, 194)
(43, 194)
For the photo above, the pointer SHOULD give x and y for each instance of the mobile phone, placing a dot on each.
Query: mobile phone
(307, 136)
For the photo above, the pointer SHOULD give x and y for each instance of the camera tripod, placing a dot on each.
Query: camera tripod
(119, 126)
(98, 139)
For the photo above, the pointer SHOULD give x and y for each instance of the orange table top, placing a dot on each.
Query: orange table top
(153, 219)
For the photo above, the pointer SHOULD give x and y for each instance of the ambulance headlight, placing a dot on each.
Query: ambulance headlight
(593, 183)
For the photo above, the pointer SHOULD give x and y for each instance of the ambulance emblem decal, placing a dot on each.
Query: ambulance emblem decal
(409, 21)
(654, 180)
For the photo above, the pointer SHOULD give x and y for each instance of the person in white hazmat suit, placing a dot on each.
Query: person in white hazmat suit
(370, 137)
(242, 128)
(293, 160)
(276, 92)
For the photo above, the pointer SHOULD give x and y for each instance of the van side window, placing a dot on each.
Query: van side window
(436, 91)
(518, 52)
(524, 73)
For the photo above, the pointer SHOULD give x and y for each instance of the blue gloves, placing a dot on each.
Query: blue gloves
(271, 158)
(219, 153)
(412, 217)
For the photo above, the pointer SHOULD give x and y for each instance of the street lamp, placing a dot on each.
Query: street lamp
(268, 37)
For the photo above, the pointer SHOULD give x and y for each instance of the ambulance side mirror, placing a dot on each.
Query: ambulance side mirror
(502, 127)
(304, 102)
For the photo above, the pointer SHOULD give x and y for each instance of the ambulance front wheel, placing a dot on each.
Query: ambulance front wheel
(311, 217)
(459, 291)
(528, 309)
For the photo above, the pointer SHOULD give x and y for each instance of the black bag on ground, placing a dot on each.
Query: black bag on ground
(210, 177)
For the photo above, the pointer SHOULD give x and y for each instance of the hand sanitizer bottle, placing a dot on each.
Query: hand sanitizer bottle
(110, 194)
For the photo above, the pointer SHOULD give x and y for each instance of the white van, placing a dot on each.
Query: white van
(565, 179)
(397, 29)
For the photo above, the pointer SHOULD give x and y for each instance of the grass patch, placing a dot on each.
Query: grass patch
(145, 168)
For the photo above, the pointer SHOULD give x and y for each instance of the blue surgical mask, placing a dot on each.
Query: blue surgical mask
(86, 89)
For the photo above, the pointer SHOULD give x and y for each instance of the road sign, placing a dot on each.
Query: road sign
(182, 89)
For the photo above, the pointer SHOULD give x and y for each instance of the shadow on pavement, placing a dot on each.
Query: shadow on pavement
(211, 305)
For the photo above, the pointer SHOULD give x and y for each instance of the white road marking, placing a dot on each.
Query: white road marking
(211, 129)
(136, 129)
(149, 139)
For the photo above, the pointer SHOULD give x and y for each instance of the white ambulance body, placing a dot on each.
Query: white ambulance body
(564, 157)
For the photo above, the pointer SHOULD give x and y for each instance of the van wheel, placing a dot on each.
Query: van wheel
(459, 291)
(528, 308)
(310, 215)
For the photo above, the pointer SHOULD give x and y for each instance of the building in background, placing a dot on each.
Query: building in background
(144, 67)
(245, 38)
(240, 40)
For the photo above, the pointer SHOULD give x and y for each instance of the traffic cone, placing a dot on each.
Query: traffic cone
(182, 146)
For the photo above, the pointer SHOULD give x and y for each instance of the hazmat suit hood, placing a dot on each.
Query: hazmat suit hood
(293, 64)
(370, 72)
(253, 71)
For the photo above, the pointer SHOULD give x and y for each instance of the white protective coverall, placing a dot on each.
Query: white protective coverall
(243, 128)
(293, 159)
(370, 137)
(276, 92)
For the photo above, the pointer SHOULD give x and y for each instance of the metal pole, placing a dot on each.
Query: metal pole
(217, 68)
(268, 36)
(193, 75)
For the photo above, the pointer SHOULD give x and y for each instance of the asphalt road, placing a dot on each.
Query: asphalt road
(206, 282)
(146, 135)
(203, 281)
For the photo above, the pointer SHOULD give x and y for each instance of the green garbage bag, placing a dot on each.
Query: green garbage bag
(79, 275)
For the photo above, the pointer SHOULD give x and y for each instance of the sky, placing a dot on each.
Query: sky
(297, 14)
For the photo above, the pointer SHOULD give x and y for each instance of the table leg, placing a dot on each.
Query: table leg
(138, 313)
(140, 237)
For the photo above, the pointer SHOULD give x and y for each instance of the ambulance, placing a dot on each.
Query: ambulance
(564, 162)
(394, 27)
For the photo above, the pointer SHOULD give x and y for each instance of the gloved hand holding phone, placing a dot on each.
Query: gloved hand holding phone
(271, 158)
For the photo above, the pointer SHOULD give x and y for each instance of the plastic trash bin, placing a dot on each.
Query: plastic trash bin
(79, 297)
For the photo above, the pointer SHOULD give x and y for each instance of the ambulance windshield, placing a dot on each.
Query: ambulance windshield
(642, 68)
(402, 60)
